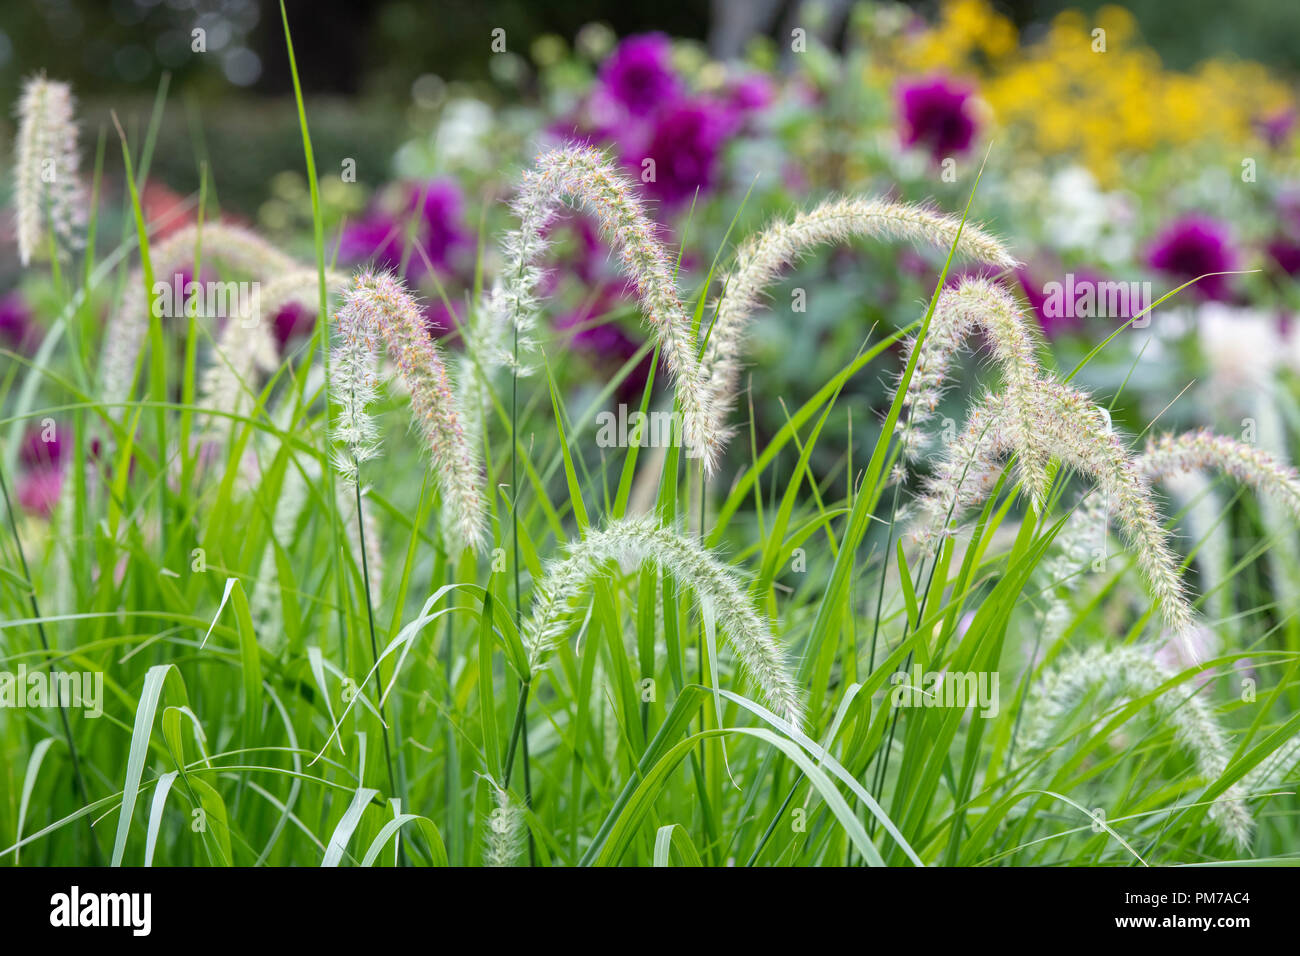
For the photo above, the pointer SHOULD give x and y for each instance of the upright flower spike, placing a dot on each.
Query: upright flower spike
(636, 540)
(234, 246)
(760, 259)
(504, 839)
(378, 306)
(47, 187)
(1133, 672)
(584, 176)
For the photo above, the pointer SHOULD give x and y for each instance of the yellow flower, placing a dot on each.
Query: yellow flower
(1096, 97)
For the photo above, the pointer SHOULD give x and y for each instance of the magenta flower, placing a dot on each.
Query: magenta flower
(639, 74)
(442, 210)
(17, 330)
(379, 237)
(751, 93)
(684, 144)
(40, 478)
(1286, 253)
(1052, 326)
(1061, 317)
(1276, 128)
(936, 114)
(36, 452)
(1195, 246)
(38, 490)
(292, 321)
(604, 342)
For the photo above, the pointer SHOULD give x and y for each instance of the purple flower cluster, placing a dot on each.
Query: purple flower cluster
(427, 231)
(1284, 246)
(639, 74)
(41, 479)
(670, 138)
(1195, 246)
(604, 342)
(1062, 316)
(936, 113)
(430, 222)
(18, 332)
(1276, 128)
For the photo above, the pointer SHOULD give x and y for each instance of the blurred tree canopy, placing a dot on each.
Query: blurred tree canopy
(376, 46)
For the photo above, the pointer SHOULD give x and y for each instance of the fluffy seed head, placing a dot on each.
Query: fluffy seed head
(761, 258)
(47, 187)
(1133, 672)
(634, 540)
(1203, 450)
(235, 247)
(585, 177)
(1168, 457)
(504, 839)
(975, 304)
(1053, 420)
(379, 307)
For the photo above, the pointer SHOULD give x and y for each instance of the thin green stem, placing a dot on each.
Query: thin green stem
(520, 726)
(370, 618)
(516, 730)
(45, 644)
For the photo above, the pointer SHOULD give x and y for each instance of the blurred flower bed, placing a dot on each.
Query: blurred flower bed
(1102, 167)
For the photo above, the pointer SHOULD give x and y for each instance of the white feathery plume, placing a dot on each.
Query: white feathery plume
(47, 186)
(1203, 450)
(1079, 433)
(1131, 672)
(760, 259)
(378, 306)
(236, 247)
(976, 304)
(354, 387)
(1063, 423)
(1190, 453)
(631, 541)
(585, 176)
